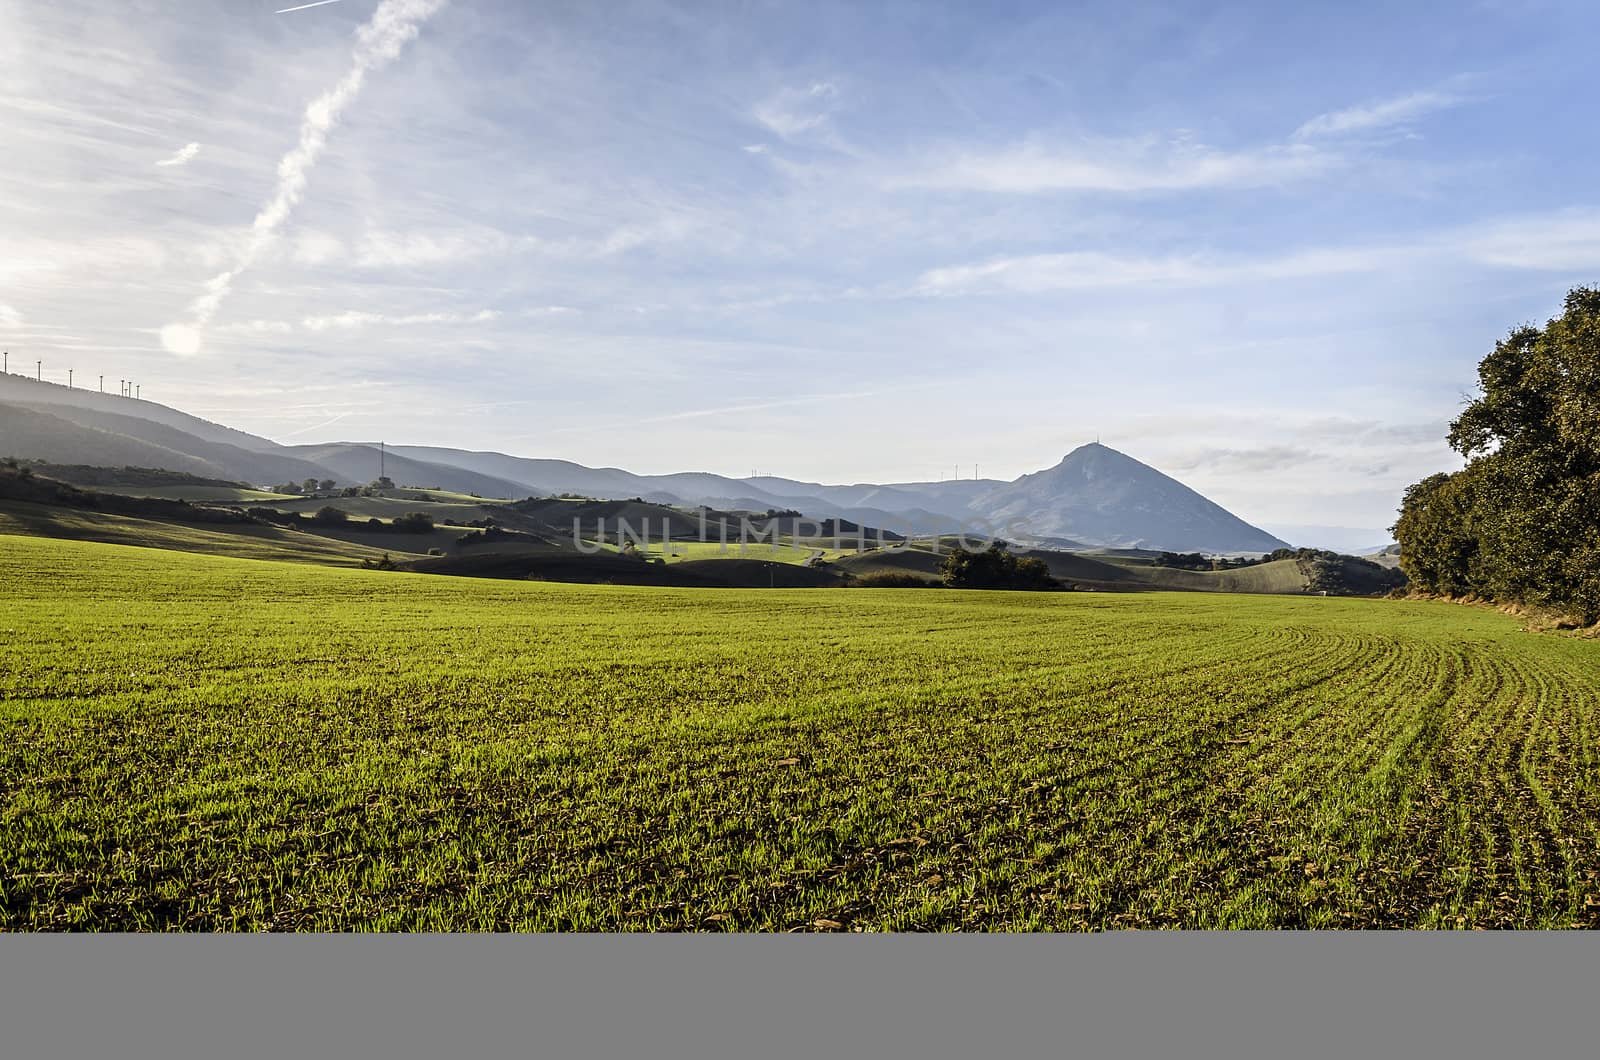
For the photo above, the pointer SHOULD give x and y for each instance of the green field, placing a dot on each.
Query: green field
(193, 742)
(241, 540)
(206, 494)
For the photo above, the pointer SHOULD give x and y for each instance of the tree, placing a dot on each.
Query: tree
(1519, 522)
(383, 483)
(308, 486)
(328, 514)
(326, 484)
(414, 523)
(995, 568)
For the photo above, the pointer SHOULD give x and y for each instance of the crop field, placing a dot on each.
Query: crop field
(208, 494)
(245, 541)
(202, 743)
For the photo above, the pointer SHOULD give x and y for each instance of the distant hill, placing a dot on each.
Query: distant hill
(355, 462)
(67, 434)
(30, 434)
(18, 389)
(1095, 498)
(1103, 497)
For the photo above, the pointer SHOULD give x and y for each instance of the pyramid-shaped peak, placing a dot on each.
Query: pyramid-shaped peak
(1100, 495)
(1093, 450)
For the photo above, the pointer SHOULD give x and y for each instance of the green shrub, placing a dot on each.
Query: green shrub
(414, 523)
(995, 568)
(893, 579)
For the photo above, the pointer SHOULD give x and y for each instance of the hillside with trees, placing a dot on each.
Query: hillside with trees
(1521, 522)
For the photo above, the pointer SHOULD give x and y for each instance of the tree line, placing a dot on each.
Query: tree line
(1520, 523)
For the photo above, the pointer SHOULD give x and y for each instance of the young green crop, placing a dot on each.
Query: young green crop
(189, 742)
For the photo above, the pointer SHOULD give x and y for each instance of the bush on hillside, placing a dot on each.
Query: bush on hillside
(413, 523)
(995, 568)
(893, 579)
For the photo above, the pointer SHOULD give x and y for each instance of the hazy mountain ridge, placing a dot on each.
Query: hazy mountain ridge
(20, 389)
(1095, 497)
(351, 462)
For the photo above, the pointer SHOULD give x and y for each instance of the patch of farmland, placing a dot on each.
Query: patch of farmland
(193, 742)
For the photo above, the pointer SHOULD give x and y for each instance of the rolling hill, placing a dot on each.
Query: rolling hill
(355, 462)
(1094, 498)
(66, 434)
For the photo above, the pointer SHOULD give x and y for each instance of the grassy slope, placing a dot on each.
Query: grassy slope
(198, 742)
(208, 494)
(242, 541)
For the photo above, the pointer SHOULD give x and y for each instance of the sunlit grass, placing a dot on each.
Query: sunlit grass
(200, 743)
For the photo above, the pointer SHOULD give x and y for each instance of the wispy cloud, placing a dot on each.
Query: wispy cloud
(1559, 241)
(1382, 114)
(351, 319)
(751, 406)
(386, 249)
(358, 319)
(9, 316)
(317, 248)
(1040, 273)
(1119, 166)
(405, 249)
(184, 156)
(315, 426)
(1248, 461)
(797, 110)
(378, 42)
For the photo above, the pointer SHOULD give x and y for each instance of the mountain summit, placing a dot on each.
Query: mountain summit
(1099, 495)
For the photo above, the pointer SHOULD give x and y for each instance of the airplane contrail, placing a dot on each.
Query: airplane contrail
(302, 7)
(378, 42)
(328, 423)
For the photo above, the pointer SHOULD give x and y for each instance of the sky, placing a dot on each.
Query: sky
(1258, 246)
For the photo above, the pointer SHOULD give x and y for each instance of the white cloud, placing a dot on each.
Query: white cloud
(1253, 460)
(378, 42)
(1123, 166)
(9, 316)
(360, 319)
(317, 248)
(1384, 114)
(255, 327)
(1568, 239)
(405, 249)
(184, 156)
(383, 249)
(797, 110)
(352, 319)
(26, 260)
(1088, 270)
(1563, 241)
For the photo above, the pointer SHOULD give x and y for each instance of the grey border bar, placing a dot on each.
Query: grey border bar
(1130, 994)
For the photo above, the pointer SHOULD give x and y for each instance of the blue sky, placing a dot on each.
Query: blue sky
(1261, 247)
